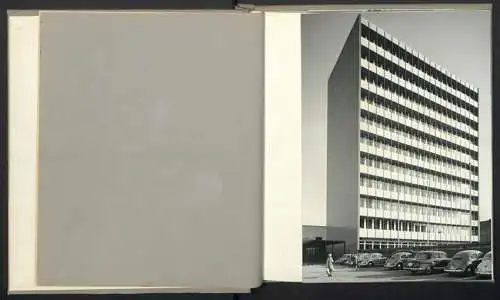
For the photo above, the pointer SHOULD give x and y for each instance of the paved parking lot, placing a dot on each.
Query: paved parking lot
(317, 274)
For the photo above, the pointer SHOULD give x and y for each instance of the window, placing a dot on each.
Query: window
(369, 223)
(369, 183)
(369, 203)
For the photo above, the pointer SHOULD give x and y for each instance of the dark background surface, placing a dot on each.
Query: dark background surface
(386, 291)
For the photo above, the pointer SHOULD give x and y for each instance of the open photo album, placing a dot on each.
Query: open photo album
(212, 151)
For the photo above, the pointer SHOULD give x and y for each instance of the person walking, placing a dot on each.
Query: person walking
(329, 265)
(356, 261)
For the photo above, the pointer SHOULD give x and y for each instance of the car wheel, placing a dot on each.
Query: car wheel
(399, 266)
(469, 271)
(370, 264)
(428, 270)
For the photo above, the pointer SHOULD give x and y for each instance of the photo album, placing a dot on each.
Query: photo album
(213, 151)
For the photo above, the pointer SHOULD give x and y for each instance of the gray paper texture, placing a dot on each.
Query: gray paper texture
(151, 149)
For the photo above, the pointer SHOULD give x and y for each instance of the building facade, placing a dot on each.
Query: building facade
(402, 147)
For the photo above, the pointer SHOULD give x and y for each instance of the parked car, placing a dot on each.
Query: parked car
(484, 268)
(398, 260)
(371, 259)
(427, 262)
(344, 259)
(464, 262)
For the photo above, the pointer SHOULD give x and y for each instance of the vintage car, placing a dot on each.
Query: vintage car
(344, 259)
(398, 260)
(427, 262)
(371, 259)
(484, 268)
(464, 262)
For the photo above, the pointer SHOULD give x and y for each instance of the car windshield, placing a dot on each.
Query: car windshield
(423, 255)
(398, 255)
(461, 255)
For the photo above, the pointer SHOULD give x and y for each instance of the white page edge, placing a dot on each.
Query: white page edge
(283, 148)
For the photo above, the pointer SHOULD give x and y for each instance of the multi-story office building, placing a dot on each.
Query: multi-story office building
(402, 147)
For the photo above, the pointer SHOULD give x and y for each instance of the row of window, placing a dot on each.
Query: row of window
(400, 111)
(395, 161)
(427, 113)
(417, 127)
(408, 98)
(410, 190)
(402, 73)
(369, 245)
(415, 61)
(433, 157)
(374, 245)
(416, 195)
(410, 226)
(407, 107)
(420, 210)
(400, 180)
(406, 171)
(374, 124)
(403, 89)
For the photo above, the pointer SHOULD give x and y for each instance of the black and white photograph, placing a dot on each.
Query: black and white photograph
(396, 157)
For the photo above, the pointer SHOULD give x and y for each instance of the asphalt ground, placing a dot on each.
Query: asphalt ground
(317, 274)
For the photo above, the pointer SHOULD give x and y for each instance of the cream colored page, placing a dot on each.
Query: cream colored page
(23, 107)
(283, 166)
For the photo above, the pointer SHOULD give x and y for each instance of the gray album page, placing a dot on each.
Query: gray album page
(151, 149)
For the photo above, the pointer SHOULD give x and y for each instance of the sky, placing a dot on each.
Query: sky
(459, 41)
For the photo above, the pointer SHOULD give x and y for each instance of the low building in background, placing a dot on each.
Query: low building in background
(485, 232)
